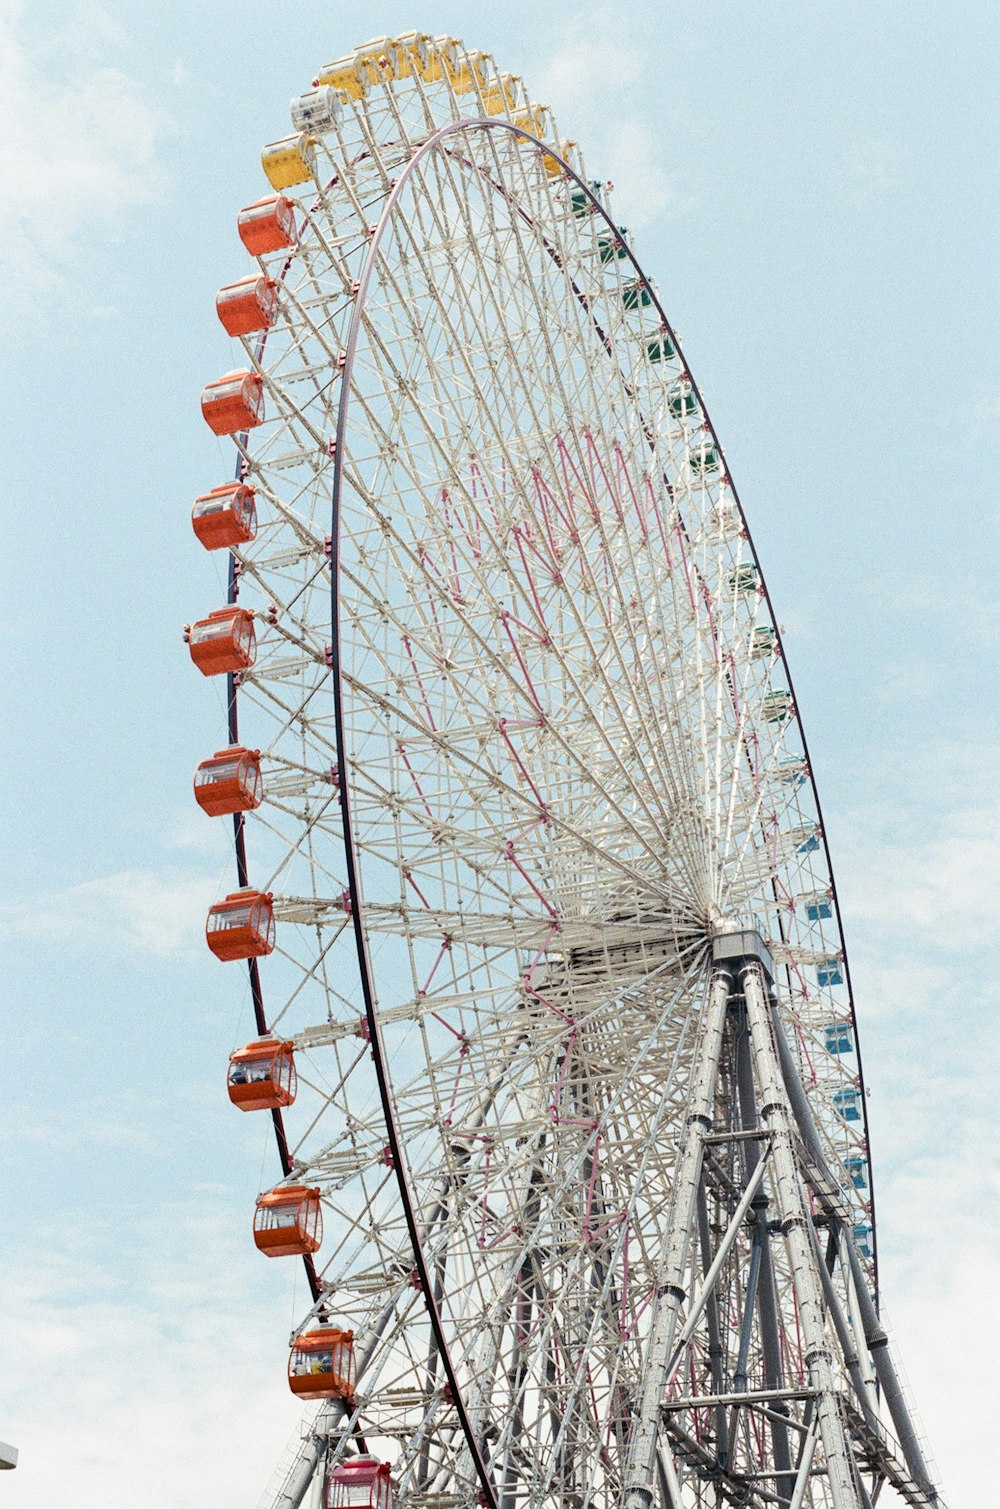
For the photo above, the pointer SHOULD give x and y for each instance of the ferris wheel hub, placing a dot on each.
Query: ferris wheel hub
(736, 946)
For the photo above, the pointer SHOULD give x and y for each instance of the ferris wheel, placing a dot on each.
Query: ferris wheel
(551, 1009)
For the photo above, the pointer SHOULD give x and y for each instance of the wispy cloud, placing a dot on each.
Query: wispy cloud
(916, 872)
(979, 416)
(586, 82)
(80, 143)
(940, 1311)
(187, 828)
(915, 866)
(139, 1353)
(157, 912)
(934, 880)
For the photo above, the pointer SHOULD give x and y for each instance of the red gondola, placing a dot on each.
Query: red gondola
(224, 641)
(247, 305)
(229, 782)
(242, 926)
(360, 1483)
(321, 1365)
(233, 402)
(262, 1075)
(267, 225)
(288, 1221)
(226, 517)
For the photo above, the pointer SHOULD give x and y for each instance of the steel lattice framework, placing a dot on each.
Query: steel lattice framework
(558, 946)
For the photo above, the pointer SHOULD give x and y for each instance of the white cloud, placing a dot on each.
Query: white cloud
(192, 831)
(919, 597)
(636, 167)
(587, 82)
(916, 865)
(158, 912)
(146, 1361)
(985, 412)
(940, 1270)
(124, 1126)
(916, 868)
(937, 881)
(904, 683)
(80, 140)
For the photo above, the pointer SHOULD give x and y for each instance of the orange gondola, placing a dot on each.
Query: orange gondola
(233, 402)
(261, 1076)
(229, 782)
(268, 225)
(242, 926)
(226, 517)
(224, 641)
(288, 1221)
(321, 1365)
(361, 1482)
(247, 305)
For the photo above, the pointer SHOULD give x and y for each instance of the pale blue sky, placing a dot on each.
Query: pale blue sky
(814, 188)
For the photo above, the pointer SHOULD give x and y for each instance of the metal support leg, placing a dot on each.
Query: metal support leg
(885, 1372)
(670, 1487)
(805, 1467)
(767, 1306)
(749, 1307)
(842, 1327)
(776, 1117)
(640, 1475)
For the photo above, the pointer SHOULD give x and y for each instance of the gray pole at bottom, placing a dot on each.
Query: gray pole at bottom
(641, 1470)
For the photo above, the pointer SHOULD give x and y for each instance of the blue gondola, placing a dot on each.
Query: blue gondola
(848, 1103)
(857, 1168)
(818, 907)
(839, 1038)
(792, 771)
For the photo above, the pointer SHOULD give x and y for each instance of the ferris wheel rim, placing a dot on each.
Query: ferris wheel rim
(377, 234)
(773, 879)
(455, 128)
(671, 762)
(352, 857)
(243, 880)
